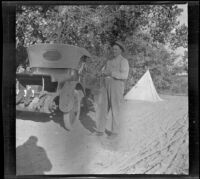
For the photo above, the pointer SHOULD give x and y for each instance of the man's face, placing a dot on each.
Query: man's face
(116, 50)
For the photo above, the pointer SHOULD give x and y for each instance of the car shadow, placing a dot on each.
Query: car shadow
(41, 117)
(32, 159)
(86, 120)
(87, 108)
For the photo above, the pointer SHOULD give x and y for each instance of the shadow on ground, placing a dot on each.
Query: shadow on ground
(85, 118)
(40, 117)
(32, 159)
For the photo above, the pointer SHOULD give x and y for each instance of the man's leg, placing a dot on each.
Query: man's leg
(116, 97)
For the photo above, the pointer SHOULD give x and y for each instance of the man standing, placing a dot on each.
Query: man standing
(116, 72)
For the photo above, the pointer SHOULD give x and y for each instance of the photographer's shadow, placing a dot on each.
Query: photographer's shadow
(32, 159)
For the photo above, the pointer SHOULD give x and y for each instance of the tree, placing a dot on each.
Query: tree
(182, 65)
(33, 25)
(179, 38)
(145, 29)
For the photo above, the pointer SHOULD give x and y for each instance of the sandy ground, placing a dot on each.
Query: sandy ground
(153, 140)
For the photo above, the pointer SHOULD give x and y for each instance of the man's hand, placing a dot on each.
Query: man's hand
(106, 73)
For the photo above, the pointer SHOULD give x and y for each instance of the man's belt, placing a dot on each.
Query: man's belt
(116, 78)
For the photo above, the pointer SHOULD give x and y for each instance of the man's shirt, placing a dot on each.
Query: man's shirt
(118, 67)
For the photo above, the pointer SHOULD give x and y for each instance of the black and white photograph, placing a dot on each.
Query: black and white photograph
(102, 89)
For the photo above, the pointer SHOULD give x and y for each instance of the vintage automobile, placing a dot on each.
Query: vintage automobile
(52, 85)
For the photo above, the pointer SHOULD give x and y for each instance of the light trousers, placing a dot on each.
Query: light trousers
(108, 113)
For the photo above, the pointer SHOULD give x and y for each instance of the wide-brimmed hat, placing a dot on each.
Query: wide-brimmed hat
(120, 45)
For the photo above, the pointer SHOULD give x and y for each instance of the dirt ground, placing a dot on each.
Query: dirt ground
(153, 140)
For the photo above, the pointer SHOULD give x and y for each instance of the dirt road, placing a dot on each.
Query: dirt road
(153, 140)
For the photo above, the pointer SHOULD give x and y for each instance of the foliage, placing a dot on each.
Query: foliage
(179, 85)
(181, 66)
(180, 37)
(144, 29)
(185, 61)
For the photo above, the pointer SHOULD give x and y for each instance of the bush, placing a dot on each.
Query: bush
(180, 85)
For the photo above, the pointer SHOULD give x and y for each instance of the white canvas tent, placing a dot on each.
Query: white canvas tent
(144, 90)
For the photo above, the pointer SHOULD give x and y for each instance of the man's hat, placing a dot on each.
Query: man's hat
(120, 45)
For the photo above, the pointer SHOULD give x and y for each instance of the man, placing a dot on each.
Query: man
(116, 72)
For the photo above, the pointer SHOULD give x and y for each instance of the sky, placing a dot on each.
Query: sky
(184, 16)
